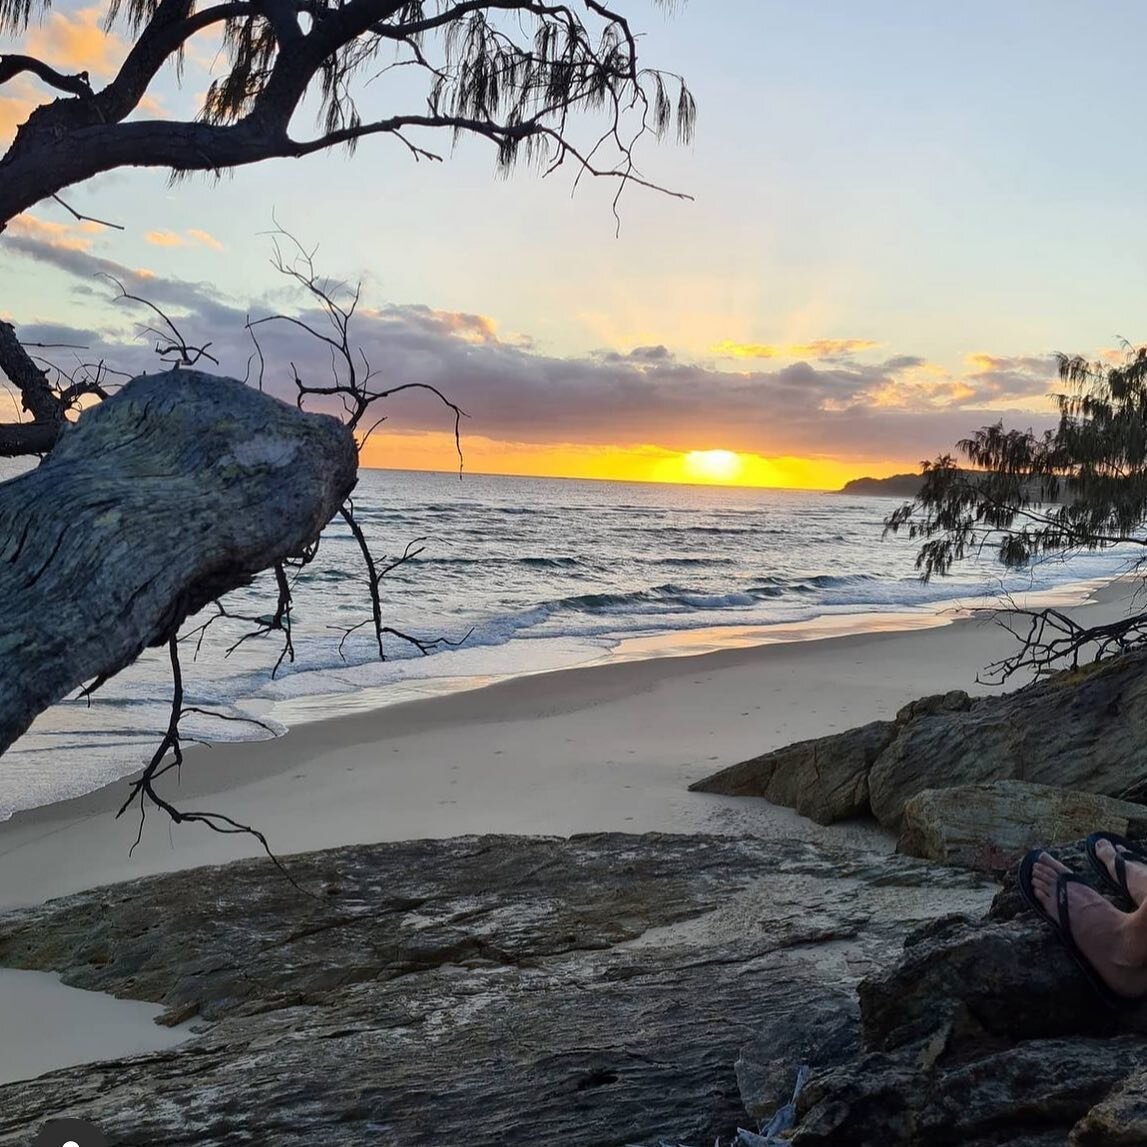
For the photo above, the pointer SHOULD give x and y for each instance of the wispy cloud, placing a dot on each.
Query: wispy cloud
(76, 41)
(193, 236)
(61, 236)
(163, 238)
(204, 238)
(816, 349)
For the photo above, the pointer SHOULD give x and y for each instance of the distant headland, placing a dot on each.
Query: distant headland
(897, 486)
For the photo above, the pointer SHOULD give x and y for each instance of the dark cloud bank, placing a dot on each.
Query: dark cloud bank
(515, 393)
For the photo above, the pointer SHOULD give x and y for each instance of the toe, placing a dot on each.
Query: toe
(1047, 861)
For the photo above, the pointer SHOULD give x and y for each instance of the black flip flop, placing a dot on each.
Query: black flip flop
(1134, 853)
(1061, 923)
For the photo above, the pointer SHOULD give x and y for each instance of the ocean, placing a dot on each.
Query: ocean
(526, 575)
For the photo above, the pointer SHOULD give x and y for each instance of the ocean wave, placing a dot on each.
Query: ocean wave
(714, 531)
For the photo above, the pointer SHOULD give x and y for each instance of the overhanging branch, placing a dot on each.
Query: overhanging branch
(12, 65)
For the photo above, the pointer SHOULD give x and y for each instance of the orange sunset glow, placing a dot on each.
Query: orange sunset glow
(620, 463)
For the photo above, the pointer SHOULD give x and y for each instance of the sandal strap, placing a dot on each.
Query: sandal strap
(1121, 872)
(1062, 907)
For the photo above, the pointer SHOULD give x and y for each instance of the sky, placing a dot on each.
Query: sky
(899, 213)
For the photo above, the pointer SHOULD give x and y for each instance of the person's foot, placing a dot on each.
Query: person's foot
(1114, 943)
(1135, 868)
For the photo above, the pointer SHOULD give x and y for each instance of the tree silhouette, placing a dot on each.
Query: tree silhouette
(527, 76)
(1027, 497)
(180, 487)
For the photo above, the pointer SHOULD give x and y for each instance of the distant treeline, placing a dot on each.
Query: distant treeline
(898, 486)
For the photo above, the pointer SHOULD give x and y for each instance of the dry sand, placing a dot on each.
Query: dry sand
(609, 747)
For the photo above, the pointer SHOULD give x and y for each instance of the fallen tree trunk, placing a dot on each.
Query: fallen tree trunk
(177, 489)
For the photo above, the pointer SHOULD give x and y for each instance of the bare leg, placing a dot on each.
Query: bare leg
(1136, 869)
(1114, 942)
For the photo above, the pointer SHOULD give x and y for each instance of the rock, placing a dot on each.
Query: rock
(826, 1034)
(955, 701)
(1119, 1120)
(984, 1033)
(987, 827)
(1023, 1096)
(1075, 730)
(1082, 730)
(491, 989)
(825, 779)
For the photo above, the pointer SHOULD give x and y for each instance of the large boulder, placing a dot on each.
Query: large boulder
(825, 779)
(1084, 730)
(987, 827)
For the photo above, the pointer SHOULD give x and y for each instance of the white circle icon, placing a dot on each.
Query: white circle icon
(71, 1143)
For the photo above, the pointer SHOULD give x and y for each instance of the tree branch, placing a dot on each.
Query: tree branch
(36, 395)
(13, 65)
(21, 439)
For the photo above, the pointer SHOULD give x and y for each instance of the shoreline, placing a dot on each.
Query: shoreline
(604, 747)
(607, 747)
(308, 708)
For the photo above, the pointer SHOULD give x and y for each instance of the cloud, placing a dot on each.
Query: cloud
(76, 41)
(901, 408)
(1010, 377)
(16, 108)
(173, 239)
(817, 349)
(62, 236)
(639, 354)
(163, 239)
(204, 239)
(727, 349)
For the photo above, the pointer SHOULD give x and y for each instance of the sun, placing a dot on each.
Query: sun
(712, 465)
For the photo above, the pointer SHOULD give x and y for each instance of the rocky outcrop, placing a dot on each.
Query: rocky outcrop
(988, 827)
(824, 779)
(1081, 730)
(984, 1033)
(595, 991)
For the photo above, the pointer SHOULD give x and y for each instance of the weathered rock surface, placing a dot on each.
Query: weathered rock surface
(482, 990)
(984, 1033)
(1120, 1120)
(825, 779)
(1081, 730)
(988, 827)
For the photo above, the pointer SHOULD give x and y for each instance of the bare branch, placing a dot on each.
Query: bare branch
(81, 218)
(143, 792)
(12, 65)
(173, 348)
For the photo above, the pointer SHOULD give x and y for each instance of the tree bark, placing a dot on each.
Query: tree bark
(179, 488)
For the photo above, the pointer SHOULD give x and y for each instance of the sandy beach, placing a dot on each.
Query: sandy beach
(609, 747)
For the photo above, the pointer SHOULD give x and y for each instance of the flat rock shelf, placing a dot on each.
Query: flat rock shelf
(606, 989)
